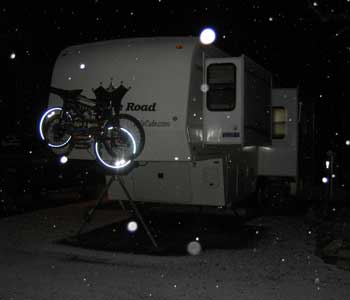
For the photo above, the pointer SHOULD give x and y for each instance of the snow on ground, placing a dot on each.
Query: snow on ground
(282, 266)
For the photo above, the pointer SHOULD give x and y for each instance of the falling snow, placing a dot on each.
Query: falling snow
(284, 262)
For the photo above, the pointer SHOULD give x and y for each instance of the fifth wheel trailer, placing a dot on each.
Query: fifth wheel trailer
(208, 118)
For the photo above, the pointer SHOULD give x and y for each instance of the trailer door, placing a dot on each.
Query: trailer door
(223, 101)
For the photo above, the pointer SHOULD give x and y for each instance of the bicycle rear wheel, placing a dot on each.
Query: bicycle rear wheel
(53, 130)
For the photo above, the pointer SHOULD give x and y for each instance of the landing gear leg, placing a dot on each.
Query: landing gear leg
(121, 182)
(88, 216)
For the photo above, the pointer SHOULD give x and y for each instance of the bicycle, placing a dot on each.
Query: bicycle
(117, 138)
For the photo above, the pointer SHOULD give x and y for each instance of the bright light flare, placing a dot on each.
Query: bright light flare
(324, 179)
(50, 115)
(194, 248)
(119, 162)
(347, 142)
(63, 159)
(207, 36)
(132, 226)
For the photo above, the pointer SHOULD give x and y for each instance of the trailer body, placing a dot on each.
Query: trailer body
(207, 116)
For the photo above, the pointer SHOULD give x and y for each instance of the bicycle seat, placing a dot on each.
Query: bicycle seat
(66, 94)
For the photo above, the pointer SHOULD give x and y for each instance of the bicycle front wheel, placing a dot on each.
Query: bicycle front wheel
(122, 141)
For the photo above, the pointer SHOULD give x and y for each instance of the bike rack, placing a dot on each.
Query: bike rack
(88, 216)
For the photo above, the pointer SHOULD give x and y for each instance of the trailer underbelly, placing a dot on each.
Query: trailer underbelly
(200, 183)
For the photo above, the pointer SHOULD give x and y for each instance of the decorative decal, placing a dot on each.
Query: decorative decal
(111, 94)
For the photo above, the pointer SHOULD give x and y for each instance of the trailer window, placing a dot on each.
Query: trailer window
(221, 79)
(278, 122)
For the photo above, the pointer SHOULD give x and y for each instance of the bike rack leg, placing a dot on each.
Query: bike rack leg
(122, 205)
(122, 184)
(90, 213)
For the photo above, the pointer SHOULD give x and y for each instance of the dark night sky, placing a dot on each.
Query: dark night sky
(303, 43)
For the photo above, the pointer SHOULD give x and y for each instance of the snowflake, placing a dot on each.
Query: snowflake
(132, 226)
(204, 88)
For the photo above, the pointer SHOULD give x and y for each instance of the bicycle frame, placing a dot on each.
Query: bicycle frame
(82, 122)
(85, 120)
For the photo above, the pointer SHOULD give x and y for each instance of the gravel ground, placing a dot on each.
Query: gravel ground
(281, 266)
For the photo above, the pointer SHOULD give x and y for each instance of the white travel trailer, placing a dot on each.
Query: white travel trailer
(207, 117)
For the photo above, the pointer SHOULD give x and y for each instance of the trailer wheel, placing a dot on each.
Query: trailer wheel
(273, 196)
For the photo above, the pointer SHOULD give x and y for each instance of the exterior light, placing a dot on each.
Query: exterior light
(327, 164)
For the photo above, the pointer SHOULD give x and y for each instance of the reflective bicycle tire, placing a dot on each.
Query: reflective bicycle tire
(122, 141)
(134, 126)
(53, 130)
